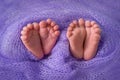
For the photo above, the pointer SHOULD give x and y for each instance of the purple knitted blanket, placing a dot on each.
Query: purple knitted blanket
(16, 63)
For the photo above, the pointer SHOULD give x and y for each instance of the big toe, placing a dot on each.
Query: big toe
(43, 24)
(96, 29)
(81, 23)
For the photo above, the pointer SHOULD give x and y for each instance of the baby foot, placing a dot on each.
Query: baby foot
(92, 39)
(76, 35)
(31, 39)
(49, 33)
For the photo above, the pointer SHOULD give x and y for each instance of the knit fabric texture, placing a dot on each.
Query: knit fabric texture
(17, 63)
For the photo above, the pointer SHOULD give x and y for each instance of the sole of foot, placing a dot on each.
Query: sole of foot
(92, 39)
(49, 33)
(31, 39)
(76, 36)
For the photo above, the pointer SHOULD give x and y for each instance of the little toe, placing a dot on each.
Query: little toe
(97, 30)
(70, 28)
(87, 24)
(23, 32)
(25, 28)
(96, 38)
(95, 26)
(81, 22)
(23, 38)
(69, 34)
(57, 33)
(36, 26)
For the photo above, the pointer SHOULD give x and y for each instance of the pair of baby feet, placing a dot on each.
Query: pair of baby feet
(39, 38)
(83, 36)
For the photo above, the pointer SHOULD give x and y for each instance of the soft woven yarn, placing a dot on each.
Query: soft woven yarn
(17, 63)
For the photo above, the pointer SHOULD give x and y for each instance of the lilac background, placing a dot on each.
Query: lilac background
(16, 63)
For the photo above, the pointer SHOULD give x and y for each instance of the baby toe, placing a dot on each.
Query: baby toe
(25, 28)
(95, 26)
(57, 33)
(97, 30)
(23, 38)
(96, 37)
(69, 34)
(70, 28)
(23, 32)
